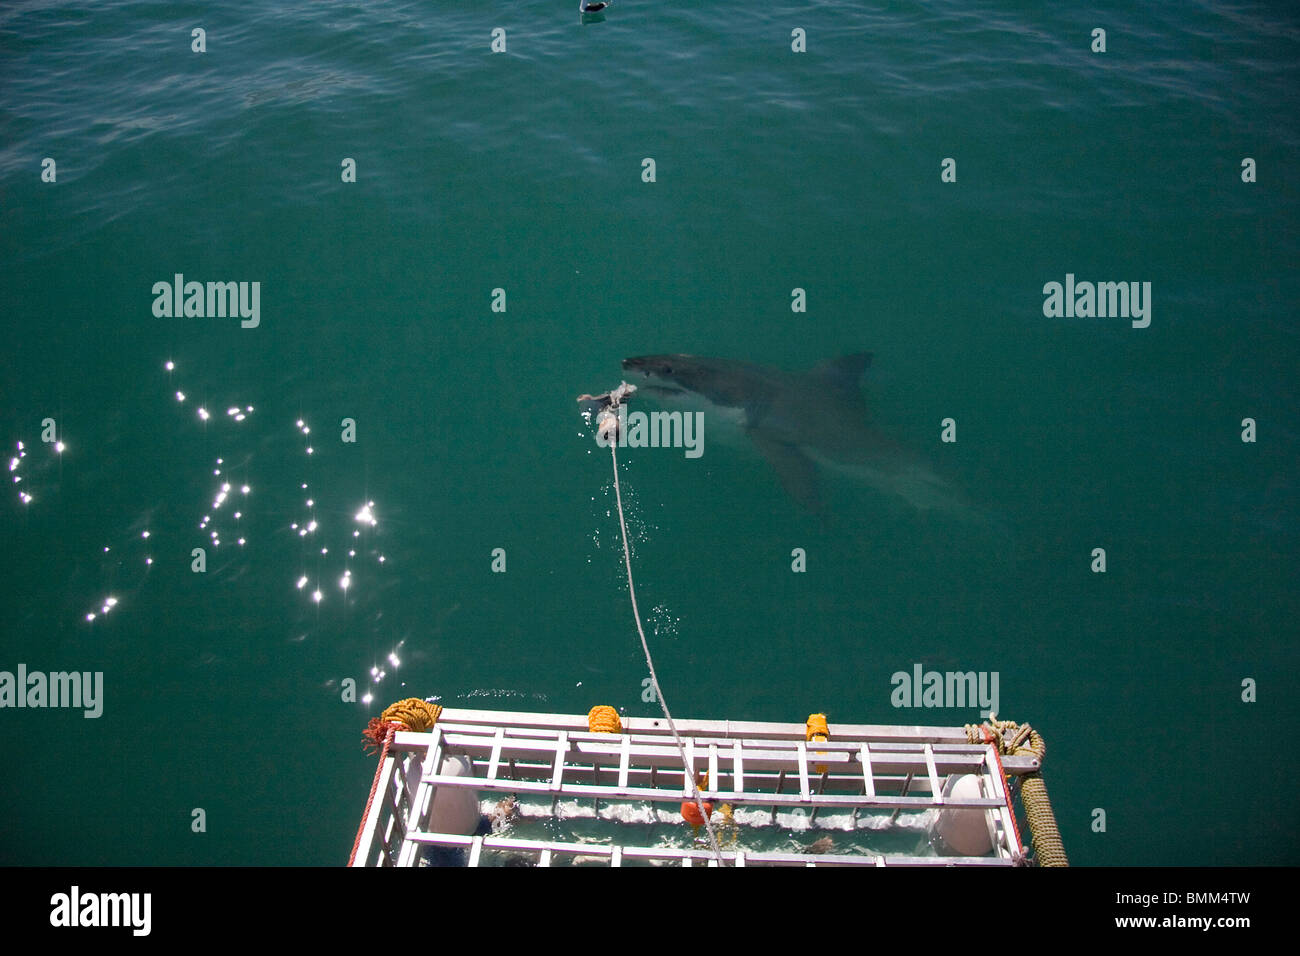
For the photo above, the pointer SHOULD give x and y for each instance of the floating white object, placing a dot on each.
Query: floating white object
(455, 809)
(958, 832)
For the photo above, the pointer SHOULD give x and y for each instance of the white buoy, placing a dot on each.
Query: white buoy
(962, 831)
(455, 809)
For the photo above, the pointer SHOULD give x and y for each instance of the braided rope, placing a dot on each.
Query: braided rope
(374, 786)
(654, 680)
(1023, 741)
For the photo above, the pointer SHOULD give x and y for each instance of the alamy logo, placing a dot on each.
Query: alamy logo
(208, 300)
(1102, 300)
(102, 909)
(923, 688)
(56, 689)
(657, 430)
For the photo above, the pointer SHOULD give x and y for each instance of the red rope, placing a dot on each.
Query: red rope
(1006, 787)
(374, 786)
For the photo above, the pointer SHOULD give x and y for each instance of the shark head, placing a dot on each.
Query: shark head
(672, 376)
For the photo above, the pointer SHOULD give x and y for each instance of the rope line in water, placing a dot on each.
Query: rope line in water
(654, 680)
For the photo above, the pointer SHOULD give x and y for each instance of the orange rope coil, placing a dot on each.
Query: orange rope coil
(817, 730)
(409, 714)
(418, 715)
(603, 719)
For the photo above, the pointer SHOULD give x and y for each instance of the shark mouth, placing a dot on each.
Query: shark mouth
(661, 391)
(643, 374)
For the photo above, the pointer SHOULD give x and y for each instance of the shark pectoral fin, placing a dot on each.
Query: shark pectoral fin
(796, 470)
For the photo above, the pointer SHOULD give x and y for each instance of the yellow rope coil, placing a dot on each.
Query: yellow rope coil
(603, 719)
(418, 715)
(1011, 738)
(816, 729)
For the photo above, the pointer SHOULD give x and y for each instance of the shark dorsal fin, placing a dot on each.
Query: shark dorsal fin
(844, 373)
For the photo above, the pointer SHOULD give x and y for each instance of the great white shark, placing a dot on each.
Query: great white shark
(798, 421)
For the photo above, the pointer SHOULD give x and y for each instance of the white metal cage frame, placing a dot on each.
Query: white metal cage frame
(864, 767)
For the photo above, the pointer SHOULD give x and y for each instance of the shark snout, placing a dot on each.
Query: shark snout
(656, 366)
(656, 374)
(640, 370)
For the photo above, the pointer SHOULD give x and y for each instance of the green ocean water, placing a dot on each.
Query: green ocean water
(523, 171)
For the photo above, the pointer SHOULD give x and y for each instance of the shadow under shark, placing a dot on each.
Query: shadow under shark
(798, 421)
